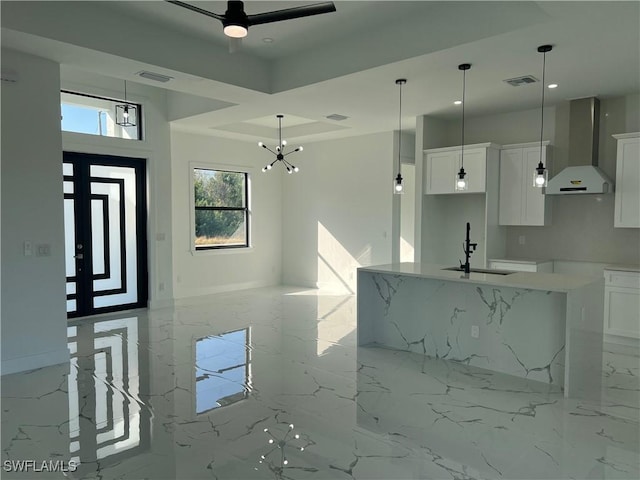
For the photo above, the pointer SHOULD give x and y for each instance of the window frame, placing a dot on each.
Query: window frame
(139, 113)
(246, 171)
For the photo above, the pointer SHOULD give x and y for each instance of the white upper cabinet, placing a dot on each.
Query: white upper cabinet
(520, 202)
(627, 196)
(443, 164)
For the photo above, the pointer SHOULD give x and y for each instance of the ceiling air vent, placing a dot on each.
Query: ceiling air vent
(519, 81)
(337, 117)
(157, 77)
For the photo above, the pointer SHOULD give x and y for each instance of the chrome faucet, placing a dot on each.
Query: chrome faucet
(468, 249)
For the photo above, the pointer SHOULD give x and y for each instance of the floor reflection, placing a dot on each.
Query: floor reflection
(269, 384)
(223, 369)
(107, 421)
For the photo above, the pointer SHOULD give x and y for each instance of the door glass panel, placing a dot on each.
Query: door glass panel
(69, 250)
(68, 187)
(116, 185)
(99, 234)
(67, 169)
(69, 235)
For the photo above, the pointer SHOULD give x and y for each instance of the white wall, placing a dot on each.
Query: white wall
(337, 211)
(211, 271)
(154, 148)
(33, 287)
(582, 227)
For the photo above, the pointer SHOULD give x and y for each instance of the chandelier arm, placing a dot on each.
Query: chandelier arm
(267, 148)
(289, 153)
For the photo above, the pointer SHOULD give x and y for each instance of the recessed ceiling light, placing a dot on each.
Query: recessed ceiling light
(267, 40)
(553, 85)
(458, 102)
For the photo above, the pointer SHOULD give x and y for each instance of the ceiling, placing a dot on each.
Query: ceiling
(344, 62)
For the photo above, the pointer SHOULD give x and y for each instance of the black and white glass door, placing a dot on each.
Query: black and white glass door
(105, 233)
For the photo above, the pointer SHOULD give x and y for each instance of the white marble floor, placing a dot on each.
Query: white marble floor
(200, 391)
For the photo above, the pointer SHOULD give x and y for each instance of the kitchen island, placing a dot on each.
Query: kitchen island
(541, 326)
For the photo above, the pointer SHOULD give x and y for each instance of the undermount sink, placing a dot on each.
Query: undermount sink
(480, 270)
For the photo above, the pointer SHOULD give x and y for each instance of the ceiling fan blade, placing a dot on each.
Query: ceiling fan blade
(196, 9)
(291, 13)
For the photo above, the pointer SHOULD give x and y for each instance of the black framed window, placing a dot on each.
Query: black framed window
(221, 209)
(93, 115)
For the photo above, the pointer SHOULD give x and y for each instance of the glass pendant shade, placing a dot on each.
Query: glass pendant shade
(398, 185)
(540, 176)
(461, 181)
(126, 115)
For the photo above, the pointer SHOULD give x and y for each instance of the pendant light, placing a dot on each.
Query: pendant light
(398, 187)
(126, 113)
(279, 151)
(462, 183)
(541, 174)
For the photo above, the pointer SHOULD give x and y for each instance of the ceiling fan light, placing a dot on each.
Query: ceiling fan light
(235, 31)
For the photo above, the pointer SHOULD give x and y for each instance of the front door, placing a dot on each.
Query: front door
(105, 233)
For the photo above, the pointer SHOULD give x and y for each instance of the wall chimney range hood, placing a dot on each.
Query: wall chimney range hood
(582, 176)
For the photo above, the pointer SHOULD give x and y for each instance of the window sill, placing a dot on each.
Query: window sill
(221, 251)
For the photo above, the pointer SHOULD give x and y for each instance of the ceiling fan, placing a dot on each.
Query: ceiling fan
(236, 22)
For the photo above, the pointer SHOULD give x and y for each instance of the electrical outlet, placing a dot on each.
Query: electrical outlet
(43, 250)
(475, 331)
(28, 248)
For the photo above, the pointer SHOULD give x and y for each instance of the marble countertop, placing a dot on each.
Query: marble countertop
(623, 268)
(552, 282)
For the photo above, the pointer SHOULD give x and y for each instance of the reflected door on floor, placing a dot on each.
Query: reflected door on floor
(105, 233)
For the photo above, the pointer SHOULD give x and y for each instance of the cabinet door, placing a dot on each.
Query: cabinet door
(475, 164)
(627, 195)
(533, 201)
(621, 311)
(511, 184)
(440, 172)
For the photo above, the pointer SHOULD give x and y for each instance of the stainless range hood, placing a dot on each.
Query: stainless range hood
(582, 176)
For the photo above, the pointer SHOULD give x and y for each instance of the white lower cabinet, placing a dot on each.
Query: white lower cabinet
(520, 202)
(622, 303)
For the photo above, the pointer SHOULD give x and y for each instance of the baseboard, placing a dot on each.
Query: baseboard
(31, 362)
(620, 340)
(203, 292)
(160, 304)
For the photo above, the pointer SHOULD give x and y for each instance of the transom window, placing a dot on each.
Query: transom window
(91, 115)
(221, 209)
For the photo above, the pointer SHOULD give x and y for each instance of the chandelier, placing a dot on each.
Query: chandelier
(279, 151)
